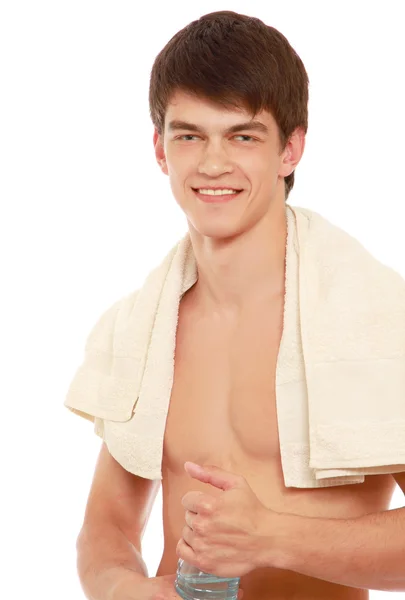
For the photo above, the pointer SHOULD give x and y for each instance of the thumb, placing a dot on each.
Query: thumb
(215, 476)
(240, 594)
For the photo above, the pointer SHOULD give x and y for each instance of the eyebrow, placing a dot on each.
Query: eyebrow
(249, 125)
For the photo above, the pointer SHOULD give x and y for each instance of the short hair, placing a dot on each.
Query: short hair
(237, 61)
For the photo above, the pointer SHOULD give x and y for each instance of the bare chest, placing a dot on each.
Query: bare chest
(223, 401)
(223, 411)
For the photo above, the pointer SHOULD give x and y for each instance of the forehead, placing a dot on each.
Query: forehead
(202, 111)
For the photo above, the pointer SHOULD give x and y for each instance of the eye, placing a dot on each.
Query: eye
(189, 135)
(245, 136)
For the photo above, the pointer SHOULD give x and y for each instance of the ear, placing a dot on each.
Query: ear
(159, 151)
(292, 153)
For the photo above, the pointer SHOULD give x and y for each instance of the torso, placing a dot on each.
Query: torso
(223, 412)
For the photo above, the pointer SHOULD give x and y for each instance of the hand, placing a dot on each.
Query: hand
(152, 588)
(223, 534)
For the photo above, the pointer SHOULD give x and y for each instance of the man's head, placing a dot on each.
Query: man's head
(218, 72)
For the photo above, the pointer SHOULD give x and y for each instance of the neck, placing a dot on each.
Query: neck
(241, 272)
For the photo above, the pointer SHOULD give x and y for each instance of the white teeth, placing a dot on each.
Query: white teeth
(216, 192)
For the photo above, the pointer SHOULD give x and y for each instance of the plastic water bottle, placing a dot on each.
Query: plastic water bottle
(193, 584)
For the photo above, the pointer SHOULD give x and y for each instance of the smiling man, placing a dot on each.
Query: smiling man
(239, 238)
(277, 502)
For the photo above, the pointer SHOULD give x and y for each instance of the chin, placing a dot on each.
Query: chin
(215, 231)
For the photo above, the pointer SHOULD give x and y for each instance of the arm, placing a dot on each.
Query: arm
(364, 552)
(109, 543)
(105, 558)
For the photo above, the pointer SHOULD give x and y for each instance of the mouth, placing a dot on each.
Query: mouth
(214, 199)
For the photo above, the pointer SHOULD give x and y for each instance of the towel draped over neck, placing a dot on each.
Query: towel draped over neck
(340, 377)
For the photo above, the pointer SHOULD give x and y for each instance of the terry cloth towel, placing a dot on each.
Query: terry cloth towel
(340, 378)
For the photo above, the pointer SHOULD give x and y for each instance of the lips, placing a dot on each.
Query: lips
(216, 199)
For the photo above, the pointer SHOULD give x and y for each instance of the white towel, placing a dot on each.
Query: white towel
(340, 379)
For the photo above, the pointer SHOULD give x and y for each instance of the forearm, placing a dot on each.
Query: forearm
(104, 559)
(365, 552)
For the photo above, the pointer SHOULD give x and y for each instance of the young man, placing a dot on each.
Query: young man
(228, 99)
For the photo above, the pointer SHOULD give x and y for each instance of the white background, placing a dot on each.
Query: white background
(86, 213)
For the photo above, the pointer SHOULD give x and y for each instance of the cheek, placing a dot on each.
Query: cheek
(257, 163)
(181, 164)
(265, 170)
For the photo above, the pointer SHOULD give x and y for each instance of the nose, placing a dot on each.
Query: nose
(214, 161)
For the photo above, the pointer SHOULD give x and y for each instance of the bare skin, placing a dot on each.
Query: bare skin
(223, 412)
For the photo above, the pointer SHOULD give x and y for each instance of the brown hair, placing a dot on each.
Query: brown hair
(235, 61)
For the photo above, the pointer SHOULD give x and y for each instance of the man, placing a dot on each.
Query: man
(228, 99)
